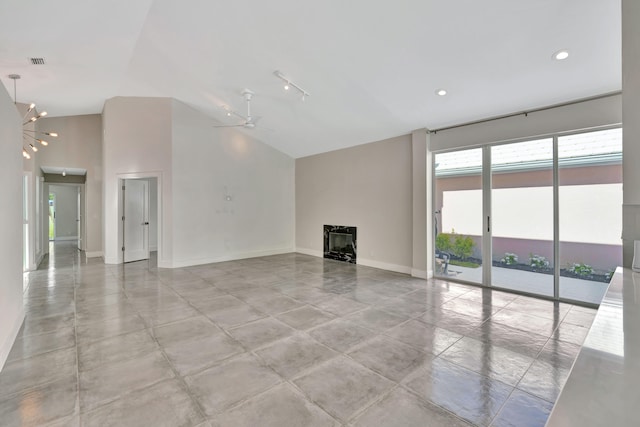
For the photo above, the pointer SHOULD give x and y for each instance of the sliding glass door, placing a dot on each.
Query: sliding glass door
(522, 216)
(545, 215)
(590, 212)
(458, 216)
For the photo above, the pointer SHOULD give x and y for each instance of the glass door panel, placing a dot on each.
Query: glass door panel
(522, 216)
(590, 212)
(458, 215)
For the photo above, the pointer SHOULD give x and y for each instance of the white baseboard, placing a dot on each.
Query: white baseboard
(311, 252)
(420, 274)
(366, 262)
(39, 258)
(97, 254)
(226, 257)
(153, 248)
(430, 274)
(13, 333)
(114, 260)
(384, 266)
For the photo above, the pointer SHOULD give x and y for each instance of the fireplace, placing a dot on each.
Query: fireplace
(340, 243)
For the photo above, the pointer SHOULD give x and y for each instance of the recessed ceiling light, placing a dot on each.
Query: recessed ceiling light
(560, 55)
(441, 92)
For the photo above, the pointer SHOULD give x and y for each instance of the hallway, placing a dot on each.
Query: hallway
(281, 340)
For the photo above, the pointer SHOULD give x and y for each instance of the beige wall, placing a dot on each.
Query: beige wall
(79, 145)
(367, 186)
(11, 308)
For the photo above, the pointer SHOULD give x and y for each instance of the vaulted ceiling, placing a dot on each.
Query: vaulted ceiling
(372, 67)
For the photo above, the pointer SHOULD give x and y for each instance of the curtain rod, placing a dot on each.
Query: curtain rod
(527, 112)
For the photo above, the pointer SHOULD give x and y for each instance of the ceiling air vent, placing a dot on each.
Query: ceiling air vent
(37, 61)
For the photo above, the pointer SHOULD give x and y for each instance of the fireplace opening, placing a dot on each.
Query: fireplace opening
(340, 243)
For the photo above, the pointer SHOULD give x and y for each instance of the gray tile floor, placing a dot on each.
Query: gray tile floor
(288, 340)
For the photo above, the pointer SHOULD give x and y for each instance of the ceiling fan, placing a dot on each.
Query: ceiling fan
(249, 121)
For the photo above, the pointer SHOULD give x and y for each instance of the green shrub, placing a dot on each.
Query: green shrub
(443, 242)
(462, 246)
(581, 269)
(509, 259)
(538, 261)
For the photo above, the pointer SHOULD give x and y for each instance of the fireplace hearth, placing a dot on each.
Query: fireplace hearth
(340, 243)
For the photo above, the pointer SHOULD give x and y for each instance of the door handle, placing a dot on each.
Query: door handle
(145, 223)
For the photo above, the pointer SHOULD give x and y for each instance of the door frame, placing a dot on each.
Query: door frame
(160, 225)
(487, 250)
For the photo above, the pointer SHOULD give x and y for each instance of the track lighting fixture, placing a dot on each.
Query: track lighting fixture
(288, 84)
(30, 116)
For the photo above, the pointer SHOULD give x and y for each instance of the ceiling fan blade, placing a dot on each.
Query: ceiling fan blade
(229, 126)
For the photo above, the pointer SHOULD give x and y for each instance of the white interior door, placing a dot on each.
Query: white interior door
(136, 220)
(79, 221)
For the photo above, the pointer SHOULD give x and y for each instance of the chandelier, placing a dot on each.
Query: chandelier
(30, 138)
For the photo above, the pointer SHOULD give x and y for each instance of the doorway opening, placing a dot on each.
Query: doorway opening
(66, 213)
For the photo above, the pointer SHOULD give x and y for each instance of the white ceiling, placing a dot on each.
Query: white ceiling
(372, 67)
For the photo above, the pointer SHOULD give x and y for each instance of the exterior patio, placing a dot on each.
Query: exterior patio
(587, 291)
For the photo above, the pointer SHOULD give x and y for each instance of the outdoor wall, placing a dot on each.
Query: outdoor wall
(11, 306)
(79, 145)
(233, 196)
(136, 143)
(368, 186)
(66, 199)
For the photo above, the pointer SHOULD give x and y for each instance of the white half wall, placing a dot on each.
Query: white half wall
(11, 305)
(233, 196)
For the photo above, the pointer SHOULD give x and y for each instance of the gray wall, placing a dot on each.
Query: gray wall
(367, 186)
(66, 197)
(11, 308)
